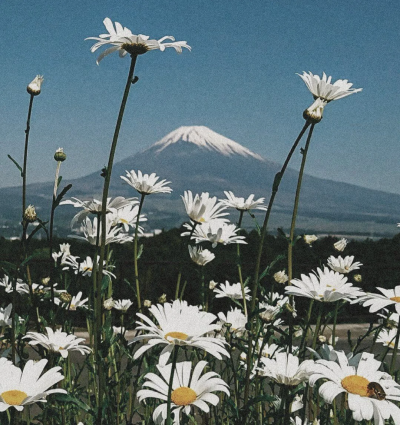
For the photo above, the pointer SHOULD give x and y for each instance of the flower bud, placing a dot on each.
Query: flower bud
(341, 244)
(147, 303)
(322, 339)
(30, 214)
(281, 277)
(309, 239)
(108, 304)
(162, 299)
(34, 87)
(314, 113)
(212, 284)
(60, 155)
(45, 281)
(357, 278)
(65, 297)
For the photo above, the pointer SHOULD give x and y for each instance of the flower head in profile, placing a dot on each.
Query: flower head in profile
(35, 86)
(324, 92)
(20, 388)
(122, 40)
(340, 245)
(368, 390)
(200, 256)
(189, 389)
(202, 208)
(84, 267)
(122, 305)
(343, 265)
(146, 184)
(242, 204)
(376, 302)
(63, 253)
(387, 337)
(5, 316)
(75, 302)
(21, 287)
(233, 291)
(127, 216)
(178, 324)
(235, 320)
(57, 342)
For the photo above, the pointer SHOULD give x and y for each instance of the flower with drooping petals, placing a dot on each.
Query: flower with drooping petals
(146, 184)
(340, 245)
(122, 40)
(188, 389)
(368, 389)
(76, 302)
(387, 337)
(377, 301)
(35, 86)
(200, 256)
(58, 342)
(85, 267)
(20, 388)
(343, 265)
(242, 204)
(6, 282)
(202, 208)
(178, 324)
(233, 291)
(122, 305)
(235, 319)
(127, 216)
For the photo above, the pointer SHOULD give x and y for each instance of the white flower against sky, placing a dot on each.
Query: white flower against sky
(200, 256)
(146, 184)
(376, 302)
(284, 369)
(84, 267)
(387, 337)
(216, 231)
(325, 286)
(368, 389)
(242, 204)
(235, 319)
(181, 324)
(281, 277)
(233, 291)
(127, 216)
(340, 245)
(58, 342)
(189, 389)
(202, 208)
(34, 87)
(324, 92)
(122, 305)
(122, 40)
(309, 239)
(20, 388)
(343, 265)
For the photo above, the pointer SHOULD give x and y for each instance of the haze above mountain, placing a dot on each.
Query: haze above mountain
(198, 159)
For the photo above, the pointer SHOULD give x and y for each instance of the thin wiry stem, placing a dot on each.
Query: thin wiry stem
(135, 254)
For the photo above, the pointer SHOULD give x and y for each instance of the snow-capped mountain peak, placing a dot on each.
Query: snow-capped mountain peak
(205, 138)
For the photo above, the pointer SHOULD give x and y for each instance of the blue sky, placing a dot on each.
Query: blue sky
(240, 80)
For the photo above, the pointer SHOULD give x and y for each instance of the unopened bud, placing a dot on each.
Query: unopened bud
(45, 281)
(309, 239)
(35, 86)
(108, 304)
(30, 214)
(162, 299)
(60, 155)
(212, 284)
(357, 278)
(147, 303)
(322, 339)
(65, 297)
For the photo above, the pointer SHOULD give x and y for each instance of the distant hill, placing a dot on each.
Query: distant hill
(198, 159)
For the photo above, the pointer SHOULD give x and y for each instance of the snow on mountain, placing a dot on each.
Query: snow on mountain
(205, 138)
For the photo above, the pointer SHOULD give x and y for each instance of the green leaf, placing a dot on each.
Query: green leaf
(41, 225)
(59, 181)
(140, 252)
(68, 398)
(61, 195)
(17, 165)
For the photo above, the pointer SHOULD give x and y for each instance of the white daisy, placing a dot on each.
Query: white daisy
(269, 311)
(325, 286)
(84, 267)
(58, 342)
(376, 302)
(341, 244)
(122, 305)
(298, 421)
(21, 287)
(188, 389)
(20, 388)
(343, 265)
(235, 320)
(242, 204)
(388, 337)
(233, 291)
(76, 302)
(127, 216)
(146, 184)
(368, 389)
(202, 208)
(200, 256)
(181, 324)
(63, 253)
(5, 316)
(122, 40)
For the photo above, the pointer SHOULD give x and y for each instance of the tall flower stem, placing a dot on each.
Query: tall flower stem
(171, 382)
(239, 266)
(395, 349)
(275, 187)
(107, 180)
(334, 324)
(293, 226)
(135, 253)
(317, 325)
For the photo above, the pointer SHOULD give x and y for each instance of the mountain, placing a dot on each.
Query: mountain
(198, 159)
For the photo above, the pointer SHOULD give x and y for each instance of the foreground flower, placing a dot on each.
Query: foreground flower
(202, 208)
(324, 92)
(200, 256)
(63, 253)
(216, 231)
(340, 245)
(285, 369)
(325, 286)
(178, 324)
(57, 342)
(121, 39)
(127, 216)
(146, 184)
(188, 389)
(343, 265)
(368, 389)
(298, 421)
(376, 302)
(241, 204)
(35, 86)
(233, 291)
(21, 287)
(20, 388)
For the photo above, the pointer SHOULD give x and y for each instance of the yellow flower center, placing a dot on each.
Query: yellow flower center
(122, 220)
(14, 397)
(356, 385)
(397, 299)
(183, 396)
(87, 269)
(176, 335)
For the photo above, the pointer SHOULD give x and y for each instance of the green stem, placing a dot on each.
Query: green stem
(334, 324)
(317, 325)
(239, 266)
(395, 349)
(171, 381)
(305, 332)
(135, 253)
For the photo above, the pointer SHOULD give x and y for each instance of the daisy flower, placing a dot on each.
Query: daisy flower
(127, 216)
(188, 389)
(388, 337)
(200, 256)
(242, 204)
(63, 253)
(122, 305)
(146, 184)
(235, 319)
(76, 302)
(233, 291)
(343, 265)
(340, 245)
(325, 286)
(298, 421)
(202, 208)
(376, 302)
(368, 390)
(269, 312)
(84, 267)
(5, 316)
(20, 388)
(21, 287)
(57, 342)
(122, 40)
(324, 92)
(216, 231)
(178, 324)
